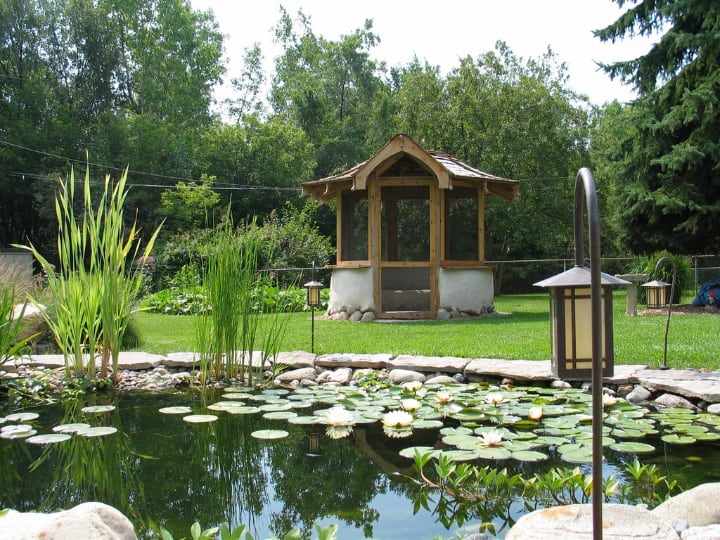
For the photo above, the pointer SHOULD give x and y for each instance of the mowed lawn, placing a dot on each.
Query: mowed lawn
(519, 330)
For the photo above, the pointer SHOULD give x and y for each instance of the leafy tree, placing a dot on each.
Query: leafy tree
(328, 89)
(189, 206)
(669, 185)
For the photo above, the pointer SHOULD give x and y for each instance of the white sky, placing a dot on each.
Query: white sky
(442, 32)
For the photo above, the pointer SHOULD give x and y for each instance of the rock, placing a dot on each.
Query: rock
(356, 316)
(89, 521)
(445, 364)
(575, 522)
(698, 506)
(673, 401)
(338, 376)
(638, 394)
(709, 532)
(560, 384)
(440, 379)
(296, 375)
(714, 408)
(368, 316)
(294, 359)
(399, 376)
(32, 320)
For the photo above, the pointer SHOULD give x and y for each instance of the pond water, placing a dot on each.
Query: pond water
(161, 470)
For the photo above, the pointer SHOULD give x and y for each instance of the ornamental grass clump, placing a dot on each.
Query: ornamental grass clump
(96, 287)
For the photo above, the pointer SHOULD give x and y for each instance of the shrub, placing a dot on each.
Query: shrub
(646, 265)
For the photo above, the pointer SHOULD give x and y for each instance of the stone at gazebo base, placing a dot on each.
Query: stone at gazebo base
(575, 522)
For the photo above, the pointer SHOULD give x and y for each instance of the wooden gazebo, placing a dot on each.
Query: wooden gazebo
(410, 234)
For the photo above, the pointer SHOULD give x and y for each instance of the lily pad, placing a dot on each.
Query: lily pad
(411, 451)
(98, 409)
(674, 438)
(99, 431)
(19, 431)
(199, 418)
(240, 409)
(529, 455)
(460, 455)
(279, 415)
(71, 428)
(306, 420)
(493, 452)
(22, 417)
(269, 434)
(633, 447)
(179, 409)
(48, 438)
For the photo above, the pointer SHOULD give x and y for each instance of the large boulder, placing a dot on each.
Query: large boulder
(33, 320)
(698, 506)
(89, 521)
(575, 522)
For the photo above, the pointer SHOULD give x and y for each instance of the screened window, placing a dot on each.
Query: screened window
(354, 239)
(461, 225)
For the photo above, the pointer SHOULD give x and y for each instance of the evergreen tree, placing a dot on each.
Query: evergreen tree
(668, 196)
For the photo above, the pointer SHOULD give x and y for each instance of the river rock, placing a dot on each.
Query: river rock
(575, 522)
(673, 401)
(89, 521)
(400, 376)
(698, 506)
(296, 375)
(638, 394)
(337, 376)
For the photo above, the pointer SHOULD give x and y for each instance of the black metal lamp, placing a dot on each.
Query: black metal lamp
(657, 297)
(313, 300)
(581, 335)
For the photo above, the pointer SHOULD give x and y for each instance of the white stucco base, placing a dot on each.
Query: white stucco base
(351, 287)
(466, 289)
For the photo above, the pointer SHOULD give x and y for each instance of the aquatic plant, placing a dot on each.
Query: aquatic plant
(96, 288)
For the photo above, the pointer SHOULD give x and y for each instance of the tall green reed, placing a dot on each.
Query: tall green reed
(96, 288)
(226, 333)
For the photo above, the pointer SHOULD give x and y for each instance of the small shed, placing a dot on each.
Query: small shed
(410, 234)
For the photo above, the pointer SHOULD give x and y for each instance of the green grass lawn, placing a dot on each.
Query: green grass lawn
(521, 330)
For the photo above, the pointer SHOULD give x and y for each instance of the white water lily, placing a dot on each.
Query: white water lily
(412, 386)
(443, 397)
(535, 413)
(338, 432)
(495, 398)
(491, 438)
(608, 400)
(339, 416)
(410, 404)
(397, 419)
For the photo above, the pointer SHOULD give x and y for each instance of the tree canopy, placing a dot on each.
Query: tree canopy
(668, 175)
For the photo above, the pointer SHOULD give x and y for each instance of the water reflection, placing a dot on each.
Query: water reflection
(160, 470)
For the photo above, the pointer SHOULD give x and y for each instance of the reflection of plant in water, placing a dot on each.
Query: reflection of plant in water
(222, 478)
(350, 482)
(487, 493)
(93, 468)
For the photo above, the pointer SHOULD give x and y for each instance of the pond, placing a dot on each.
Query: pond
(161, 469)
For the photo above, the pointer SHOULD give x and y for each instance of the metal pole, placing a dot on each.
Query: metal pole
(312, 331)
(670, 301)
(584, 182)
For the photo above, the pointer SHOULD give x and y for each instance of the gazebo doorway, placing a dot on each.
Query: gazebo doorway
(406, 275)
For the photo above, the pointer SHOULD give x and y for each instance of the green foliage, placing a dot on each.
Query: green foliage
(493, 489)
(96, 290)
(189, 206)
(668, 195)
(646, 265)
(12, 325)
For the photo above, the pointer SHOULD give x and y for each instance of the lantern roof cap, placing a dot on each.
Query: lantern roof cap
(656, 283)
(579, 276)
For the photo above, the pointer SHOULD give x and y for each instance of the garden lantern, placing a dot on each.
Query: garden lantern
(572, 325)
(313, 300)
(657, 297)
(581, 324)
(656, 292)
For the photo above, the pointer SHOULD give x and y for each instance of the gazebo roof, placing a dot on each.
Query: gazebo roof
(402, 156)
